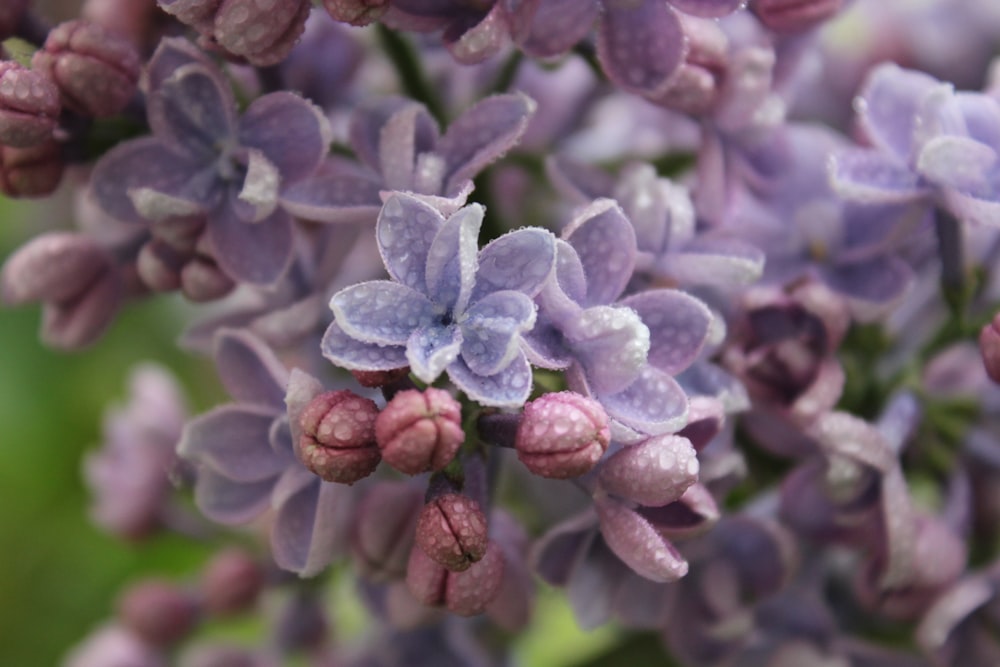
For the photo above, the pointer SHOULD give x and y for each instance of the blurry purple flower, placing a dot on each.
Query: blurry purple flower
(203, 160)
(959, 629)
(114, 646)
(231, 582)
(159, 612)
(384, 527)
(450, 306)
(323, 62)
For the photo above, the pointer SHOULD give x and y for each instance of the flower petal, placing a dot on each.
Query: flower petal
(611, 343)
(640, 45)
(405, 229)
(381, 312)
(637, 544)
(233, 441)
(249, 369)
(482, 40)
(339, 192)
(231, 503)
(509, 388)
(653, 404)
(257, 253)
(558, 25)
(521, 260)
(193, 110)
(452, 260)
(678, 327)
(260, 187)
(605, 241)
(707, 8)
(431, 348)
(366, 129)
(489, 343)
(887, 106)
(351, 354)
(311, 527)
(867, 177)
(290, 131)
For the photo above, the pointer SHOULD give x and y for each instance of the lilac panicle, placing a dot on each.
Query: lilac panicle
(449, 306)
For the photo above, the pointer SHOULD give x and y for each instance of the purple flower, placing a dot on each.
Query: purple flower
(205, 160)
(449, 306)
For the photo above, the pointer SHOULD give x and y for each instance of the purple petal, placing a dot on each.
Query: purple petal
(482, 134)
(431, 348)
(397, 147)
(611, 343)
(171, 54)
(653, 404)
(638, 544)
(339, 192)
(508, 388)
(878, 281)
(490, 338)
(193, 110)
(452, 260)
(311, 527)
(302, 388)
(577, 182)
(968, 208)
(518, 15)
(253, 252)
(955, 161)
(366, 129)
(260, 186)
(483, 40)
(605, 242)
(231, 503)
(720, 262)
(545, 347)
(233, 441)
(678, 327)
(641, 45)
(887, 106)
(405, 229)
(593, 584)
(351, 354)
(690, 515)
(292, 132)
(381, 312)
(249, 370)
(521, 260)
(558, 25)
(867, 177)
(555, 552)
(708, 8)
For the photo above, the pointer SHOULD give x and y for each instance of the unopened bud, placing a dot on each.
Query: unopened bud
(202, 280)
(29, 106)
(95, 69)
(655, 472)
(452, 531)
(31, 172)
(989, 347)
(261, 32)
(464, 593)
(231, 582)
(420, 431)
(793, 15)
(338, 437)
(562, 435)
(158, 611)
(383, 533)
(356, 12)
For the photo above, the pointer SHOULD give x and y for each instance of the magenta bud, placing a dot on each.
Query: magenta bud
(262, 31)
(356, 12)
(95, 69)
(29, 106)
(989, 347)
(231, 582)
(420, 431)
(793, 15)
(31, 172)
(562, 435)
(158, 611)
(464, 593)
(380, 378)
(383, 531)
(338, 437)
(11, 12)
(452, 531)
(654, 472)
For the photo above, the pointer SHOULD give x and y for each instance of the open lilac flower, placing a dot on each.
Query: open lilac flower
(449, 306)
(203, 160)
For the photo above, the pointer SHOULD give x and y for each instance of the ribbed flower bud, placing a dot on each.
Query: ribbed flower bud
(95, 69)
(29, 106)
(231, 582)
(655, 472)
(420, 431)
(383, 531)
(562, 435)
(452, 531)
(11, 12)
(464, 593)
(158, 611)
(338, 437)
(989, 347)
(356, 12)
(31, 172)
(793, 15)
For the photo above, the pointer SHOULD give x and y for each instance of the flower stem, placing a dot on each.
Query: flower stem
(953, 282)
(411, 76)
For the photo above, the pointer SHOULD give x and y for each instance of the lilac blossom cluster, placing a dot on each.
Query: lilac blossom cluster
(672, 305)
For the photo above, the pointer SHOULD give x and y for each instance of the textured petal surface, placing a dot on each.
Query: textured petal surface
(381, 312)
(483, 40)
(521, 260)
(887, 106)
(877, 281)
(867, 177)
(348, 353)
(291, 131)
(678, 327)
(193, 110)
(655, 472)
(311, 527)
(257, 253)
(452, 260)
(605, 242)
(558, 25)
(397, 146)
(653, 404)
(508, 388)
(611, 343)
(639, 546)
(249, 369)
(231, 503)
(338, 192)
(640, 44)
(405, 230)
(721, 262)
(366, 129)
(233, 441)
(490, 333)
(431, 348)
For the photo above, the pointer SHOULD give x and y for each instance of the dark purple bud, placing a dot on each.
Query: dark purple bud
(464, 593)
(452, 531)
(420, 431)
(158, 612)
(29, 106)
(338, 437)
(31, 172)
(989, 347)
(793, 15)
(231, 582)
(356, 12)
(386, 519)
(655, 472)
(11, 12)
(562, 435)
(95, 69)
(380, 378)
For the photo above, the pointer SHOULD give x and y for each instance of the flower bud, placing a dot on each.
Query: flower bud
(80, 321)
(383, 532)
(793, 15)
(562, 435)
(655, 472)
(202, 280)
(464, 593)
(135, 19)
(989, 347)
(356, 12)
(96, 70)
(29, 106)
(231, 582)
(30, 172)
(52, 267)
(11, 12)
(338, 437)
(380, 378)
(452, 531)
(158, 612)
(420, 431)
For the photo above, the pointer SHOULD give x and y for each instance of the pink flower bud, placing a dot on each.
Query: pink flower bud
(562, 435)
(11, 12)
(380, 378)
(655, 472)
(420, 431)
(793, 15)
(338, 437)
(383, 532)
(452, 531)
(96, 70)
(231, 582)
(30, 172)
(989, 347)
(356, 12)
(158, 612)
(464, 593)
(29, 106)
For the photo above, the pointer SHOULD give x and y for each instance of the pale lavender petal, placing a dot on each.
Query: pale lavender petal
(611, 343)
(397, 147)
(521, 260)
(641, 45)
(233, 441)
(489, 344)
(955, 161)
(678, 327)
(348, 353)
(405, 229)
(605, 242)
(707, 379)
(381, 312)
(577, 182)
(981, 114)
(249, 369)
(483, 40)
(367, 123)
(231, 503)
(593, 584)
(292, 132)
(452, 260)
(171, 54)
(879, 280)
(692, 514)
(302, 388)
(509, 388)
(721, 262)
(558, 25)
(638, 544)
(968, 208)
(482, 135)
(887, 106)
(653, 404)
(193, 110)
(253, 252)
(260, 186)
(518, 15)
(431, 348)
(544, 347)
(338, 192)
(868, 177)
(311, 527)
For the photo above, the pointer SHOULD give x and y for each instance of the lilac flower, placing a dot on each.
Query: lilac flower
(402, 149)
(449, 306)
(203, 160)
(959, 628)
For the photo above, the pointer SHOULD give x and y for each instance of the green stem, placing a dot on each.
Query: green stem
(411, 76)
(950, 248)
